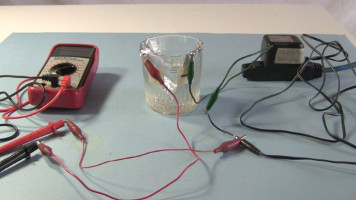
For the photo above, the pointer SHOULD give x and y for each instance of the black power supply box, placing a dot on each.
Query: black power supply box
(282, 61)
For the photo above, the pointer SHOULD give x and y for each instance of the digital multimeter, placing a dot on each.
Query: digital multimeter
(80, 62)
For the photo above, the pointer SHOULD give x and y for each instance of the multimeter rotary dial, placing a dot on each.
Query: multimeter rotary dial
(63, 69)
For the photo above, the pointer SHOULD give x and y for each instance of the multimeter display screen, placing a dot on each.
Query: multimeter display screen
(74, 51)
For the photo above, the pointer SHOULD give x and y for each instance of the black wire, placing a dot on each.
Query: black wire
(347, 89)
(191, 94)
(222, 85)
(277, 130)
(224, 131)
(53, 78)
(9, 97)
(280, 130)
(334, 44)
(307, 158)
(323, 59)
(320, 89)
(18, 76)
(333, 102)
(12, 136)
(252, 148)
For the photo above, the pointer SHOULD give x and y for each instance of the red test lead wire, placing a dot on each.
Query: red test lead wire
(47, 151)
(77, 132)
(65, 84)
(224, 147)
(50, 128)
(18, 96)
(154, 72)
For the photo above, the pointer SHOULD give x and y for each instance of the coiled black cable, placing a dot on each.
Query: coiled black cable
(333, 100)
(9, 97)
(53, 78)
(13, 135)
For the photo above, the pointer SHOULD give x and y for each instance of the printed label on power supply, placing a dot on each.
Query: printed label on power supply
(289, 56)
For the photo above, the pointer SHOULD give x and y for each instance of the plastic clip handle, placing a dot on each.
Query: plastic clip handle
(153, 71)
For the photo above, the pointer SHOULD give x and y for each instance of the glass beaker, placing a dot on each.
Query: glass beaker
(171, 55)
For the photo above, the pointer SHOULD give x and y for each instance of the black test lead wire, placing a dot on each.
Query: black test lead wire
(245, 144)
(215, 126)
(23, 153)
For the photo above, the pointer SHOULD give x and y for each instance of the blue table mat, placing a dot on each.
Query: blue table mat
(117, 122)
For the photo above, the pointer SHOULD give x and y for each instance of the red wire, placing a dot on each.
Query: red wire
(177, 123)
(115, 198)
(18, 96)
(83, 154)
(5, 115)
(18, 87)
(80, 180)
(136, 156)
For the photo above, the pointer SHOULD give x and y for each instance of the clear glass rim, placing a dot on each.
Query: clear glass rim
(199, 44)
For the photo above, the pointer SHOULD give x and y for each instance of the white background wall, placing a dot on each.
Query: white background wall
(344, 11)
